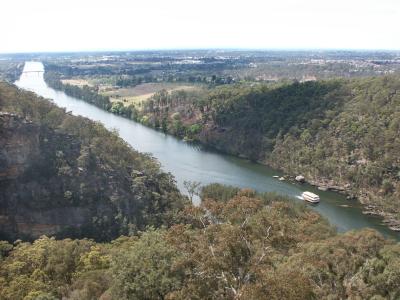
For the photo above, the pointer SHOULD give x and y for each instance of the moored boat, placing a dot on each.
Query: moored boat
(310, 197)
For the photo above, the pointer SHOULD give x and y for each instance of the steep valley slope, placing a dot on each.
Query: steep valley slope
(68, 176)
(340, 134)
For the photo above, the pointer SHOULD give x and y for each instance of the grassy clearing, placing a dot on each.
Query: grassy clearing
(77, 81)
(148, 88)
(144, 91)
(128, 96)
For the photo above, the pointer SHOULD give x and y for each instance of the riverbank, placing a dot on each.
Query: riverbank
(324, 184)
(388, 219)
(312, 180)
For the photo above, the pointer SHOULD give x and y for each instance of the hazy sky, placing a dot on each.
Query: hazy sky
(71, 25)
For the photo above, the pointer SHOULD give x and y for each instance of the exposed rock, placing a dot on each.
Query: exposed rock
(68, 176)
(395, 228)
(300, 178)
(19, 141)
(42, 190)
(23, 160)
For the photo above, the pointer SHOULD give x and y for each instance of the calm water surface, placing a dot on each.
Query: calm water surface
(192, 162)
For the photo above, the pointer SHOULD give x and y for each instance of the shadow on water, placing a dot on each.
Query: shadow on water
(191, 161)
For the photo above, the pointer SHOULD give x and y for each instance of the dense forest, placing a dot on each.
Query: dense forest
(236, 245)
(68, 176)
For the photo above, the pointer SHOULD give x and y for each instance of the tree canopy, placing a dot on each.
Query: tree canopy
(250, 246)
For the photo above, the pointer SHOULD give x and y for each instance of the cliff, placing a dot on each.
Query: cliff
(28, 176)
(67, 176)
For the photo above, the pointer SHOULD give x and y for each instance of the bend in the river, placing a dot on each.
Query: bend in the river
(191, 162)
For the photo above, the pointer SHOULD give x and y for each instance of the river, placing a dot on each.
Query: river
(195, 163)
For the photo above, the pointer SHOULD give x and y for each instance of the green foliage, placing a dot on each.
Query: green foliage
(355, 144)
(144, 120)
(5, 248)
(381, 276)
(177, 128)
(218, 192)
(171, 112)
(117, 108)
(249, 246)
(86, 93)
(193, 130)
(44, 268)
(148, 270)
(272, 111)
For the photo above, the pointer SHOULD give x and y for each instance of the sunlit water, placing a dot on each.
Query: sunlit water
(194, 163)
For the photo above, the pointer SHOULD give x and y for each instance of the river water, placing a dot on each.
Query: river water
(195, 163)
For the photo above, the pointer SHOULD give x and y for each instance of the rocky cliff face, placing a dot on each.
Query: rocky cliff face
(67, 176)
(24, 152)
(51, 184)
(19, 141)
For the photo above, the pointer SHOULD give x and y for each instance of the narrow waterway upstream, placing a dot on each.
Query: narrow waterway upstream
(192, 162)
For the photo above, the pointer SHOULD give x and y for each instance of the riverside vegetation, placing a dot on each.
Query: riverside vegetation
(340, 134)
(138, 238)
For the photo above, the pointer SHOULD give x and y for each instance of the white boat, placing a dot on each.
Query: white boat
(310, 197)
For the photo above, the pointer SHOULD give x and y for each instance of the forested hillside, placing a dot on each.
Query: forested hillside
(339, 134)
(10, 70)
(236, 245)
(68, 176)
(355, 147)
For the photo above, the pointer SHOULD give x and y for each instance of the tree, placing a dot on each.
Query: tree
(148, 270)
(193, 188)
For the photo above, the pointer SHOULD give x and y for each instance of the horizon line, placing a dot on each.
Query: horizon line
(205, 49)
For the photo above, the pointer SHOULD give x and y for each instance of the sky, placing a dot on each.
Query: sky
(86, 25)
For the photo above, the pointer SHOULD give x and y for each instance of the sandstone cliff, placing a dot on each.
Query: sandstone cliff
(68, 176)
